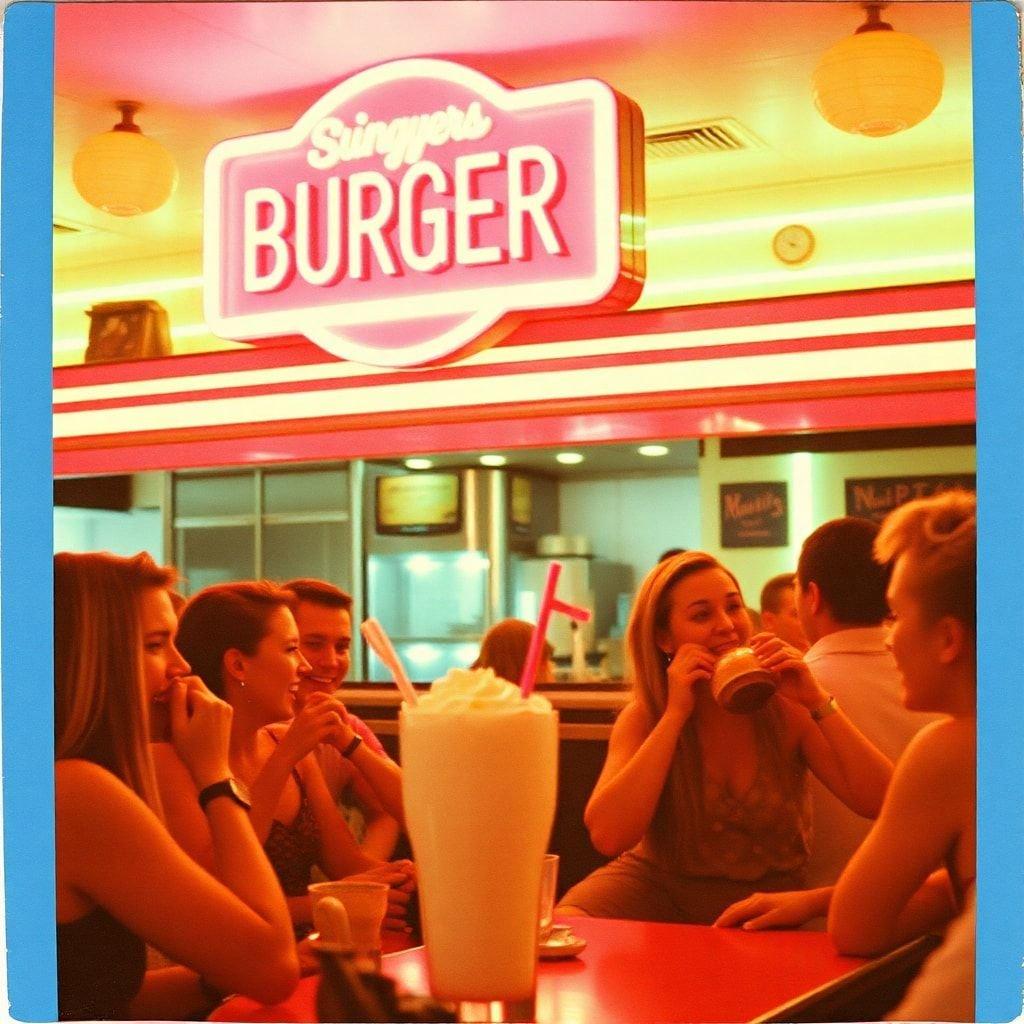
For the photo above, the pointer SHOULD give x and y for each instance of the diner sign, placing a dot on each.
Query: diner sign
(420, 211)
(875, 497)
(754, 515)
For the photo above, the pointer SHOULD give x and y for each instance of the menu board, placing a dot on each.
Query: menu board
(754, 515)
(419, 503)
(875, 497)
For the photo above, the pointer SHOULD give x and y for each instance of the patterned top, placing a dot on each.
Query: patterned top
(294, 849)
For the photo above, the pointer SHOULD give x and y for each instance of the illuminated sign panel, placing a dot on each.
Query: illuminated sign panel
(420, 211)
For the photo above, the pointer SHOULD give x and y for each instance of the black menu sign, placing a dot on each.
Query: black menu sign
(875, 497)
(754, 515)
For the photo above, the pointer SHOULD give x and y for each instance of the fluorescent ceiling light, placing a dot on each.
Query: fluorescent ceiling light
(419, 463)
(652, 450)
(569, 458)
(812, 217)
(493, 460)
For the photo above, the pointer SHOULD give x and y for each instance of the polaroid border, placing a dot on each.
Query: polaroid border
(26, 512)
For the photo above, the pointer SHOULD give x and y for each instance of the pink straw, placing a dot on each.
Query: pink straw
(548, 603)
(374, 634)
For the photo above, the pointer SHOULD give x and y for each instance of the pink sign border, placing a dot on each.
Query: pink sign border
(498, 302)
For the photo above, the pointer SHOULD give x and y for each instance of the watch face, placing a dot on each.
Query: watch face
(240, 792)
(793, 244)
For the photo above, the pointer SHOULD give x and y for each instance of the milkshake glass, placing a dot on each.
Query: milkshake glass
(479, 775)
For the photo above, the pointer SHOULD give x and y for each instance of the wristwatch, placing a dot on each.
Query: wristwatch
(830, 707)
(231, 788)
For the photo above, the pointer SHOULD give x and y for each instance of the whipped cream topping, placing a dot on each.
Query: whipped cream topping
(470, 689)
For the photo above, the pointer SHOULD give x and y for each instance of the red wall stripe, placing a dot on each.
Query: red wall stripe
(678, 355)
(829, 413)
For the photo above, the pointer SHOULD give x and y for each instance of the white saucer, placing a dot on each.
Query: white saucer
(561, 944)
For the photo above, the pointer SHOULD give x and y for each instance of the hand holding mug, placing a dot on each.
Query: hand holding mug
(690, 664)
(787, 664)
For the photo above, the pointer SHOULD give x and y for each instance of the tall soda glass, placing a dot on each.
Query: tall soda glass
(479, 777)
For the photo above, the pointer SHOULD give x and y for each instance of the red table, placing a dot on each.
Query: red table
(634, 972)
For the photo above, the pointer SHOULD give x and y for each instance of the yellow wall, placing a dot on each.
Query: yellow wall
(816, 494)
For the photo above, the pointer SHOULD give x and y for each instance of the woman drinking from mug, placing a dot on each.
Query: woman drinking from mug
(700, 805)
(122, 881)
(242, 640)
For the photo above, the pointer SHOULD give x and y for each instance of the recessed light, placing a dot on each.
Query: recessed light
(652, 450)
(569, 458)
(419, 464)
(493, 460)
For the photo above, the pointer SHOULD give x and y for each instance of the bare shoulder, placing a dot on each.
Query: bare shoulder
(76, 780)
(938, 743)
(89, 799)
(940, 758)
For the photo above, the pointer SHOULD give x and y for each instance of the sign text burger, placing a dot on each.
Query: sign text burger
(420, 211)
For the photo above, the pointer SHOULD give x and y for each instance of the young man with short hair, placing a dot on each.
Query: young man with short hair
(323, 613)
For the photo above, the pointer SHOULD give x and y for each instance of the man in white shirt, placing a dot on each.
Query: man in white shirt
(840, 596)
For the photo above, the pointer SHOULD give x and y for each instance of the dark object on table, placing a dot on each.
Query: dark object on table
(348, 994)
(867, 993)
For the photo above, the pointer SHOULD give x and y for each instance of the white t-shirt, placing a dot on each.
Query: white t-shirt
(856, 667)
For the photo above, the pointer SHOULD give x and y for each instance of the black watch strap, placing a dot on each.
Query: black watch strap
(230, 788)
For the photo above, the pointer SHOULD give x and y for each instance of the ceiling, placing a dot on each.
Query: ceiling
(205, 72)
(619, 460)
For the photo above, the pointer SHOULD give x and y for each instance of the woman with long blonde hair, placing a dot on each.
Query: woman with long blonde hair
(122, 881)
(701, 806)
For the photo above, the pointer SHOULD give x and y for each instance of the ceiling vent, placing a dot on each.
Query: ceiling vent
(724, 135)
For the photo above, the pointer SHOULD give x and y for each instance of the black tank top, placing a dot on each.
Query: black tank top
(100, 968)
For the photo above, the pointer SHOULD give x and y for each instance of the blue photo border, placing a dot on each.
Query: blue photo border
(26, 509)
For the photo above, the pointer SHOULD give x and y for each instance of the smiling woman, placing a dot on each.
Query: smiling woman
(242, 640)
(699, 804)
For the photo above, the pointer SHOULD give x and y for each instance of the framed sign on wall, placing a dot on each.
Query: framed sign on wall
(754, 515)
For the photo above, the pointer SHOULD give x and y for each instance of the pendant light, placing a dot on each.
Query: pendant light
(877, 81)
(123, 171)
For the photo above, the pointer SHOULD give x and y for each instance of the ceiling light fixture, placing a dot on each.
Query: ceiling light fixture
(493, 460)
(122, 171)
(569, 458)
(878, 81)
(419, 464)
(652, 451)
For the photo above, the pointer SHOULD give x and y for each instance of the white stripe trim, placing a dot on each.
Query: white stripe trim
(837, 364)
(339, 370)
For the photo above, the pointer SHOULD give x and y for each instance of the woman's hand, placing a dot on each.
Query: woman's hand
(786, 663)
(200, 730)
(776, 910)
(400, 877)
(318, 722)
(690, 664)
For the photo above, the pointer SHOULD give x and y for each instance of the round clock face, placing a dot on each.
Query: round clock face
(793, 244)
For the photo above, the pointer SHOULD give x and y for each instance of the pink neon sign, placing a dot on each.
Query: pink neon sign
(420, 211)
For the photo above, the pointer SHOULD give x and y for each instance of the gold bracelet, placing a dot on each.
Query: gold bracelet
(830, 707)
